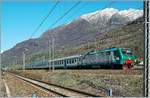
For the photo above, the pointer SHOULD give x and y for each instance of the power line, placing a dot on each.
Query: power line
(52, 9)
(61, 17)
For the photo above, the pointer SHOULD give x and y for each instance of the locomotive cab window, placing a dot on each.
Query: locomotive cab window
(126, 52)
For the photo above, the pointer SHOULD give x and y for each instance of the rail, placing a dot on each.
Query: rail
(60, 90)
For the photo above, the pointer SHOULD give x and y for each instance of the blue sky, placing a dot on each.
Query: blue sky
(20, 19)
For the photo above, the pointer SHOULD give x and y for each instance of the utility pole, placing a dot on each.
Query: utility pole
(49, 53)
(146, 58)
(53, 51)
(23, 57)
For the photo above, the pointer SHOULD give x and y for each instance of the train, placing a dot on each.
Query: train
(106, 58)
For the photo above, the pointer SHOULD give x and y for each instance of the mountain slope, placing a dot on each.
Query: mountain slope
(78, 32)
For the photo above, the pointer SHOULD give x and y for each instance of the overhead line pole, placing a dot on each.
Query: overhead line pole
(146, 45)
(53, 52)
(23, 57)
(49, 54)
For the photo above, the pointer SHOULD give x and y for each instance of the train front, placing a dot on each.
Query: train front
(128, 59)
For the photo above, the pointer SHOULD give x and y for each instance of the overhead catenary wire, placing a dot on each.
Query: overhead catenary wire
(41, 23)
(61, 17)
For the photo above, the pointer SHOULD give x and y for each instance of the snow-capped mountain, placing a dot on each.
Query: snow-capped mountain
(111, 16)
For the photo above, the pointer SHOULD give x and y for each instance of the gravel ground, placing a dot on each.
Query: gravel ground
(123, 83)
(19, 88)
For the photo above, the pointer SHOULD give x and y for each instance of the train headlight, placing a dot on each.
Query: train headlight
(117, 58)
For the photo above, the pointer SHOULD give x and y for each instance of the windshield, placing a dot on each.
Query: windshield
(126, 52)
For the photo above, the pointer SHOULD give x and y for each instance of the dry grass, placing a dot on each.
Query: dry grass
(123, 83)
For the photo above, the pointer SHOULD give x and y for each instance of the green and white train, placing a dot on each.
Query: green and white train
(107, 58)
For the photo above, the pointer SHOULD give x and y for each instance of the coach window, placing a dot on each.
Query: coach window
(75, 60)
(56, 62)
(67, 61)
(70, 61)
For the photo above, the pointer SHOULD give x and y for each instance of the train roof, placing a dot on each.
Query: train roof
(92, 52)
(107, 49)
(69, 57)
(113, 48)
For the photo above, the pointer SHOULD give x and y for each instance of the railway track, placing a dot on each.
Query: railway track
(59, 90)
